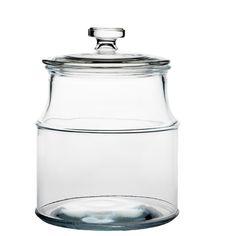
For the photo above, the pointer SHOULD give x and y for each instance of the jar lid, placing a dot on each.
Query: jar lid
(105, 57)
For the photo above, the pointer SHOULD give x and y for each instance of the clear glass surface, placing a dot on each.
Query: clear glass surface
(107, 150)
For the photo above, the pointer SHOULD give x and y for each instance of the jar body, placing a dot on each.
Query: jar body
(107, 153)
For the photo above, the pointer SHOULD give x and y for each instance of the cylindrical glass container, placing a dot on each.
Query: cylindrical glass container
(107, 142)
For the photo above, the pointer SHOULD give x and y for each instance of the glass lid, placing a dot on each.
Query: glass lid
(106, 55)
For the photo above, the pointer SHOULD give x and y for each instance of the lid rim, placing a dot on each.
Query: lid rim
(105, 64)
(119, 63)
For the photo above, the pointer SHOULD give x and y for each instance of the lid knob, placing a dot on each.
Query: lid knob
(106, 38)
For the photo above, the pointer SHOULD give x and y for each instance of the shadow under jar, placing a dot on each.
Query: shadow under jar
(107, 142)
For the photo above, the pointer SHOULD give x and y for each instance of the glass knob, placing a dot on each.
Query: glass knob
(106, 38)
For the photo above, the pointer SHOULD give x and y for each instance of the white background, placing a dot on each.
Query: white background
(198, 36)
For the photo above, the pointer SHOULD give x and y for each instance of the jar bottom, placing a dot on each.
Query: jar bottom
(108, 212)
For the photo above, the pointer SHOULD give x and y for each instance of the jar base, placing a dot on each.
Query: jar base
(108, 212)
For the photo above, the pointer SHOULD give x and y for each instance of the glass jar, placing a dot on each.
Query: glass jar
(107, 142)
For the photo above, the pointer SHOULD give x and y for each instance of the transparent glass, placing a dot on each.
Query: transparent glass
(107, 152)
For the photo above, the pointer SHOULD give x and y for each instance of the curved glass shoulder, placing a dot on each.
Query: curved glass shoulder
(108, 103)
